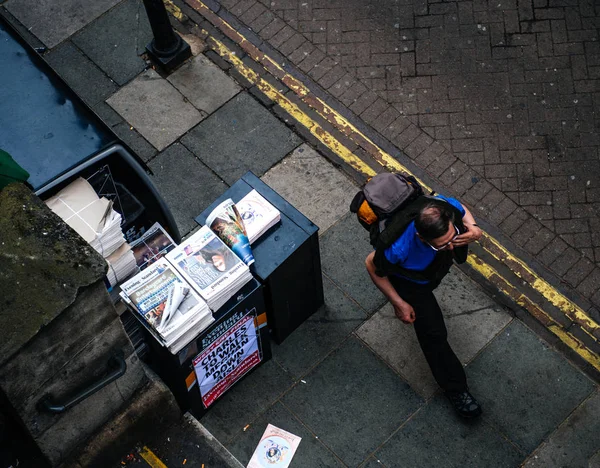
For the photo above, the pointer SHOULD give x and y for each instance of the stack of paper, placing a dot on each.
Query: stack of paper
(258, 215)
(95, 220)
(119, 264)
(167, 305)
(110, 237)
(212, 269)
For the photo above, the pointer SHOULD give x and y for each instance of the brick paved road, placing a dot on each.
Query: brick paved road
(499, 99)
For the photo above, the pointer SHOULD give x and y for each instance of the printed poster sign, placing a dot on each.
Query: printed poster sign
(227, 359)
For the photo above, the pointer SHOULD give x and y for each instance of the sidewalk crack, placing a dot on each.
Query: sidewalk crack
(469, 312)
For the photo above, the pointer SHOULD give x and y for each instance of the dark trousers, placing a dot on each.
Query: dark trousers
(431, 333)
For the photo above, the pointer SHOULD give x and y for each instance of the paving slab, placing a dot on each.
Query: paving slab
(187, 185)
(116, 40)
(526, 388)
(81, 74)
(471, 325)
(131, 137)
(311, 451)
(438, 437)
(204, 84)
(313, 185)
(241, 136)
(344, 248)
(352, 401)
(372, 463)
(472, 317)
(321, 333)
(53, 21)
(595, 461)
(575, 442)
(155, 109)
(246, 400)
(396, 343)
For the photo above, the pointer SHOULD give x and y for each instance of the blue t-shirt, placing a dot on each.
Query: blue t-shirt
(410, 252)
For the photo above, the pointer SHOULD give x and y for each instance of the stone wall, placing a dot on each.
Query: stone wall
(58, 326)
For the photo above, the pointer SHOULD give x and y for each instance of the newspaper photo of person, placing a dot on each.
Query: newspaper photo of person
(207, 264)
(154, 244)
(226, 222)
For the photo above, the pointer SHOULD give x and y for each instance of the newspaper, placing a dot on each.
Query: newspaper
(275, 449)
(164, 300)
(258, 215)
(226, 222)
(154, 244)
(207, 263)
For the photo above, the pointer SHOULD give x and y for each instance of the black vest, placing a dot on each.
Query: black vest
(397, 224)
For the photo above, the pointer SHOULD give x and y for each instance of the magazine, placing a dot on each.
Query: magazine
(154, 244)
(164, 300)
(258, 215)
(226, 222)
(275, 449)
(212, 269)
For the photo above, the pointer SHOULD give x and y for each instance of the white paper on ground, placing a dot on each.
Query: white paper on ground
(275, 449)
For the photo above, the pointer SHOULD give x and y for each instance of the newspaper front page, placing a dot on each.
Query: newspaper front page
(149, 293)
(206, 263)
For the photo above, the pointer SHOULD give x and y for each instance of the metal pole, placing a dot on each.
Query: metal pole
(167, 48)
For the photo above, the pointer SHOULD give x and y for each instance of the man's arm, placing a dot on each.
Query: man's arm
(402, 309)
(473, 231)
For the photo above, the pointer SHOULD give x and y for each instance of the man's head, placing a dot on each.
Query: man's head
(435, 226)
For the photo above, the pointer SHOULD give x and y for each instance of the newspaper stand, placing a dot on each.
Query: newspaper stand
(177, 370)
(287, 260)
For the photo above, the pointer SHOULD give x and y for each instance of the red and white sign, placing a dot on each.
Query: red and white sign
(226, 360)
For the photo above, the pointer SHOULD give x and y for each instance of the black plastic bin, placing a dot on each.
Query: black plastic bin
(133, 193)
(53, 135)
(177, 371)
(287, 260)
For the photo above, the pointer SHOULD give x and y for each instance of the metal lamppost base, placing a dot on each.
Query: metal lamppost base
(171, 60)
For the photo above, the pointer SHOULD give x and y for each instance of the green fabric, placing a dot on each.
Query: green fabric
(10, 171)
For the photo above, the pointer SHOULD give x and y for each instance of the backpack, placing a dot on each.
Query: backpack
(386, 197)
(385, 207)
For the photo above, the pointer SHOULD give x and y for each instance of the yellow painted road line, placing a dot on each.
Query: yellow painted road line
(568, 307)
(555, 297)
(507, 289)
(174, 10)
(497, 251)
(549, 292)
(150, 458)
(292, 109)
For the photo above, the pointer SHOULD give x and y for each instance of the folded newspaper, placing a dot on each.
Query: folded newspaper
(172, 311)
(210, 267)
(258, 215)
(226, 222)
(155, 243)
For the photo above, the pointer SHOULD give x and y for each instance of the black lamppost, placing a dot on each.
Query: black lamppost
(167, 48)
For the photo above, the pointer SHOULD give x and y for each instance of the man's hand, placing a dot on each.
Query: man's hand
(473, 234)
(404, 312)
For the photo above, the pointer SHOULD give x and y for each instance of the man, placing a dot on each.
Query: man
(410, 269)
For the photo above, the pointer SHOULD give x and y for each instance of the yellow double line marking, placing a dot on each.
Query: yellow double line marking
(488, 242)
(150, 458)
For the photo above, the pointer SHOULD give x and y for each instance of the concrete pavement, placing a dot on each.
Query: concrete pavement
(351, 381)
(504, 91)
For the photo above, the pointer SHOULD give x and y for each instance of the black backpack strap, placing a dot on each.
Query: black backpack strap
(358, 199)
(443, 260)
